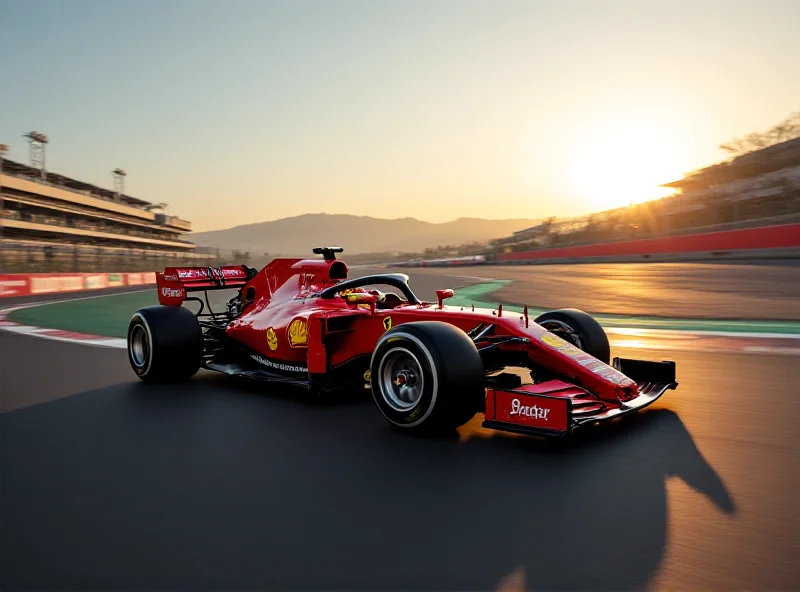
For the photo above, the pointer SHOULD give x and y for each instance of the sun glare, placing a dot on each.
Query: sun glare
(626, 164)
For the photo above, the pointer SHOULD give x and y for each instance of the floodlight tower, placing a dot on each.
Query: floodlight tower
(37, 142)
(3, 150)
(119, 181)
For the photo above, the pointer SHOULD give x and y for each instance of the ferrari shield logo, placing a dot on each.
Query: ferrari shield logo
(272, 339)
(387, 323)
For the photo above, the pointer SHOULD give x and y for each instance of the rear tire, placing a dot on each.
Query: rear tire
(427, 377)
(165, 344)
(578, 328)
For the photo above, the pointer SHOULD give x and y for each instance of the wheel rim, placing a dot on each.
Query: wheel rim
(139, 346)
(401, 379)
(564, 331)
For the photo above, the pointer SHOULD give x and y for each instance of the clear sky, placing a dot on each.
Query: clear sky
(242, 111)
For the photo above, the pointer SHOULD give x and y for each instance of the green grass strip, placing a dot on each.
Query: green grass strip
(107, 316)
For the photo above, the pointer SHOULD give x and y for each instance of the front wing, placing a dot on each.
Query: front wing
(557, 408)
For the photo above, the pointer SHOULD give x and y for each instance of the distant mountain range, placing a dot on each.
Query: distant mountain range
(296, 236)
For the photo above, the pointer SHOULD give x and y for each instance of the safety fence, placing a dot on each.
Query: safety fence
(32, 284)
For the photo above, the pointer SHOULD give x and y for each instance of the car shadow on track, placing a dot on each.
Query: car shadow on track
(212, 484)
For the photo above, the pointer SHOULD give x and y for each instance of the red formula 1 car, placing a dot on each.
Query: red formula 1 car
(429, 366)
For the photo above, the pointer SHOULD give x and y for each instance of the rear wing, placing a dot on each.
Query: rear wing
(176, 282)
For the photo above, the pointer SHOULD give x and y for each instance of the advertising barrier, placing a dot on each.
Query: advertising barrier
(33, 284)
(770, 237)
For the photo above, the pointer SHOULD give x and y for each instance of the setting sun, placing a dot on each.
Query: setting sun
(625, 164)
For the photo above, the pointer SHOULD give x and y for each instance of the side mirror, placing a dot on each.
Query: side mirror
(360, 299)
(442, 294)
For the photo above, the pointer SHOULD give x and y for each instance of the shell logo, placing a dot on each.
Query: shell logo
(553, 340)
(298, 333)
(272, 339)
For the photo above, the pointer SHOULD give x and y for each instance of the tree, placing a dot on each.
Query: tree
(547, 224)
(788, 129)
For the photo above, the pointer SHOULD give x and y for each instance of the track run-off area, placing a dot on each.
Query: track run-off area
(108, 483)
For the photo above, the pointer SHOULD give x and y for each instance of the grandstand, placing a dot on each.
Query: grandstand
(760, 188)
(53, 223)
(756, 185)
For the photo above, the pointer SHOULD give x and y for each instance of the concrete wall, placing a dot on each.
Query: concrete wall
(766, 242)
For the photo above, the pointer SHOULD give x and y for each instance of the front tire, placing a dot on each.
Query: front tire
(165, 344)
(427, 377)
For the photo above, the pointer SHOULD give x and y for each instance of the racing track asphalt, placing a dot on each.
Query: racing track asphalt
(220, 483)
(753, 290)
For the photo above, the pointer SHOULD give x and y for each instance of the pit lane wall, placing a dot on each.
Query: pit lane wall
(33, 284)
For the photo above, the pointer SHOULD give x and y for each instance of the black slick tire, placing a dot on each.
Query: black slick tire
(165, 344)
(450, 377)
(578, 328)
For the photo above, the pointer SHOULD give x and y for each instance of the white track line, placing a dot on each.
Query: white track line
(791, 351)
(52, 334)
(641, 332)
(475, 277)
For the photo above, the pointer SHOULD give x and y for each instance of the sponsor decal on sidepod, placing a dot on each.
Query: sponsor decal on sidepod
(278, 365)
